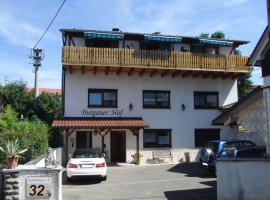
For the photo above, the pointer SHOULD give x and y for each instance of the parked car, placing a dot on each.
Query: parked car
(248, 152)
(87, 162)
(229, 149)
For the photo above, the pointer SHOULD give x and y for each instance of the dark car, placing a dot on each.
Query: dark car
(248, 152)
(228, 149)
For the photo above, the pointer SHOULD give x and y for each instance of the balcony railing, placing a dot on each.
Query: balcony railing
(152, 59)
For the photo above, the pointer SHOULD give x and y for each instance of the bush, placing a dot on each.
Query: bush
(32, 134)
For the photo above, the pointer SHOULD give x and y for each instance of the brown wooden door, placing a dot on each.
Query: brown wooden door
(118, 146)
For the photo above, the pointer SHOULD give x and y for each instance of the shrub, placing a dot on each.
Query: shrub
(32, 134)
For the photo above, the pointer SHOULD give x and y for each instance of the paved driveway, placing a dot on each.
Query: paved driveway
(182, 181)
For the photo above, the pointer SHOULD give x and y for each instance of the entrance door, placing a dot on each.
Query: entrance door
(118, 146)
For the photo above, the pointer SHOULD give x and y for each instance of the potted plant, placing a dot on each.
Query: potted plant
(136, 158)
(12, 152)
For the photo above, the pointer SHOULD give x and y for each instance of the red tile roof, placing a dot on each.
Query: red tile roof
(46, 90)
(99, 123)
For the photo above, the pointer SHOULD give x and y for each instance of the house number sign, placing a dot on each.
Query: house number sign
(38, 187)
(102, 113)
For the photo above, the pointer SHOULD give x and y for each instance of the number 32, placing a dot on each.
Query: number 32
(34, 191)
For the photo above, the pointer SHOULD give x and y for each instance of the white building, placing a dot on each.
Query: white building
(151, 95)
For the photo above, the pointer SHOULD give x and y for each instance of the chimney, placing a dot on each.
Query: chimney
(115, 29)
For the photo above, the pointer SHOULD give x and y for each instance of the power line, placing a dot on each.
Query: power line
(50, 23)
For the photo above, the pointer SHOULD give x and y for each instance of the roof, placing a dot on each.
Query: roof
(236, 42)
(229, 113)
(99, 123)
(259, 50)
(46, 90)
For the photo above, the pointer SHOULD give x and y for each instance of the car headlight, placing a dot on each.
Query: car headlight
(209, 151)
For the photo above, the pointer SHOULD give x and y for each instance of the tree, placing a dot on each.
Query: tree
(15, 94)
(49, 107)
(244, 84)
(204, 35)
(218, 34)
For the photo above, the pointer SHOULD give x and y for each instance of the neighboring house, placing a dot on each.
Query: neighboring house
(247, 119)
(250, 118)
(148, 94)
(46, 90)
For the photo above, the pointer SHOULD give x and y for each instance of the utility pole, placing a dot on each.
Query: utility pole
(6, 79)
(37, 56)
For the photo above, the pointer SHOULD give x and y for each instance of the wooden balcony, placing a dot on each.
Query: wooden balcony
(130, 58)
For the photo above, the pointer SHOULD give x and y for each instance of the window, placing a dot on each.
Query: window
(83, 140)
(156, 99)
(157, 138)
(206, 100)
(202, 136)
(102, 98)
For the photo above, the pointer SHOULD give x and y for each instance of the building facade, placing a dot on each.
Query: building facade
(144, 96)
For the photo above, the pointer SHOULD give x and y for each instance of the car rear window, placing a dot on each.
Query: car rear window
(238, 144)
(86, 154)
(248, 144)
(212, 145)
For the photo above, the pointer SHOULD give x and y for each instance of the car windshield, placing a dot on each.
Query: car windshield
(212, 145)
(87, 153)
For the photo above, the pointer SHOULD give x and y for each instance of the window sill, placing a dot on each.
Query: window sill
(206, 108)
(102, 106)
(158, 147)
(157, 108)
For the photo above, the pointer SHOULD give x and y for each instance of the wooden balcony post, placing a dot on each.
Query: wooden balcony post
(136, 133)
(68, 132)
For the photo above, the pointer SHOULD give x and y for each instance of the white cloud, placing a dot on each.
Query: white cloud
(18, 31)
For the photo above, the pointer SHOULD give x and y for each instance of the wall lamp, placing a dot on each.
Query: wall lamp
(183, 107)
(130, 106)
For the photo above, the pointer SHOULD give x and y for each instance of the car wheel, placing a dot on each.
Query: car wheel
(69, 179)
(201, 162)
(104, 178)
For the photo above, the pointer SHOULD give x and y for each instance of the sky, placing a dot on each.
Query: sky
(23, 22)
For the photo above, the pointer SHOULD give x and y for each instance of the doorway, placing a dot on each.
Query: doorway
(118, 146)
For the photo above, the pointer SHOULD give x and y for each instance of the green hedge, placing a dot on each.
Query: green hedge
(32, 134)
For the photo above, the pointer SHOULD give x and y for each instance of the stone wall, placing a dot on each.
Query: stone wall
(13, 182)
(10, 184)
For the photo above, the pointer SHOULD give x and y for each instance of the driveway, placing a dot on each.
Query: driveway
(182, 181)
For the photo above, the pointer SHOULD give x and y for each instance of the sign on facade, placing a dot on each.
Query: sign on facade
(102, 113)
(39, 187)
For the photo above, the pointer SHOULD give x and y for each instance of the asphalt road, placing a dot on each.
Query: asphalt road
(179, 182)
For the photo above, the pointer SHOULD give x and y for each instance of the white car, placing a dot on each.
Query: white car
(87, 162)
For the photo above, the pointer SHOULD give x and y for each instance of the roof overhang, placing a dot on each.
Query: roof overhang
(230, 116)
(100, 123)
(259, 51)
(183, 39)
